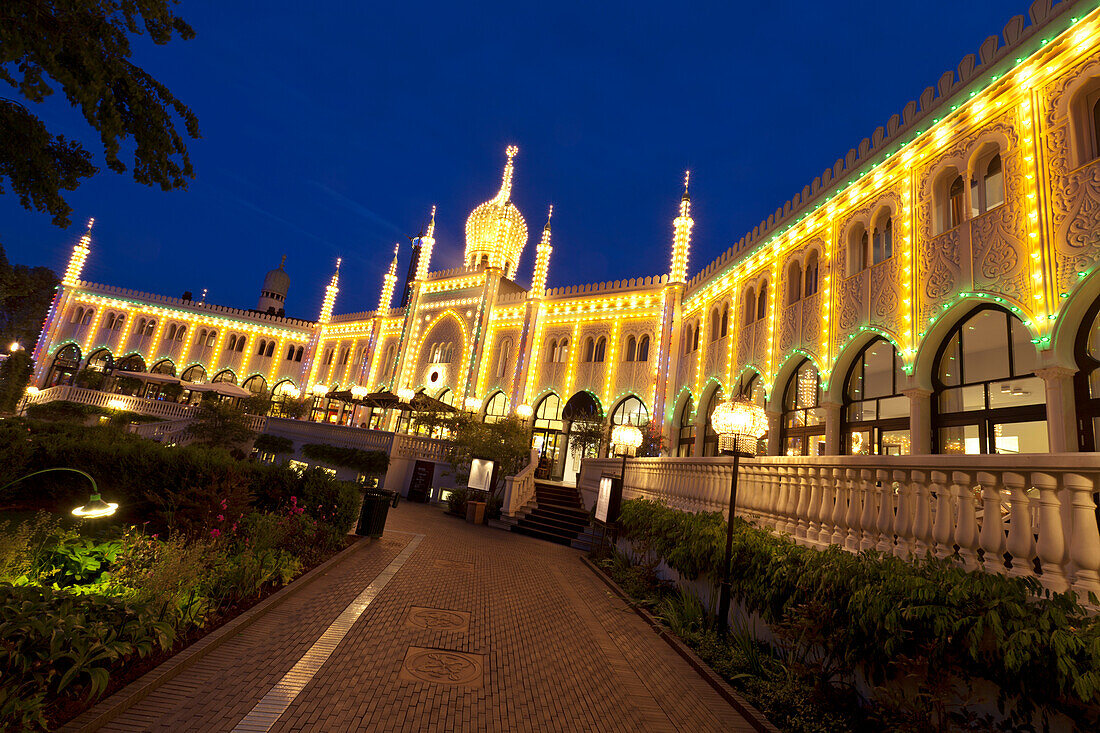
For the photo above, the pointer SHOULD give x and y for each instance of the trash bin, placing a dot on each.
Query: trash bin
(475, 512)
(372, 517)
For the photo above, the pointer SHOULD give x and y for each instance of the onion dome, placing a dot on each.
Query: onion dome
(496, 232)
(276, 286)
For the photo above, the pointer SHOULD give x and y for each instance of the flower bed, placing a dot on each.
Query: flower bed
(868, 642)
(82, 605)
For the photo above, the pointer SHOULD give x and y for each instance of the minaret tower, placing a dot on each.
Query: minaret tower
(427, 243)
(76, 260)
(542, 259)
(681, 239)
(330, 296)
(389, 281)
(273, 294)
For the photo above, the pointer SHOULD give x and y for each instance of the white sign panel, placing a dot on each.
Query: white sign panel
(481, 474)
(603, 498)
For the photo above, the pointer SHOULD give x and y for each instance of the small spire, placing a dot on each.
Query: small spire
(431, 224)
(549, 216)
(506, 185)
(338, 261)
(282, 262)
(91, 223)
(396, 246)
(687, 178)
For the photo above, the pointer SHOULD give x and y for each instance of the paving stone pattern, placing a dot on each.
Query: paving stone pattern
(547, 647)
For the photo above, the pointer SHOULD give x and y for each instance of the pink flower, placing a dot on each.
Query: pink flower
(234, 527)
(221, 517)
(214, 532)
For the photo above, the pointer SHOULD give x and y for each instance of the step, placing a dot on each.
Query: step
(564, 525)
(559, 496)
(566, 540)
(567, 513)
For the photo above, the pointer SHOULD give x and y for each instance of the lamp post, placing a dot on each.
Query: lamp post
(739, 425)
(625, 440)
(95, 507)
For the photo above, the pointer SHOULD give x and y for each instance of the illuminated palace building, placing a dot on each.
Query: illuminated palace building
(934, 291)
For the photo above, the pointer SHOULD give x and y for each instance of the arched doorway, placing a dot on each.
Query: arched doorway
(66, 362)
(1086, 383)
(631, 410)
(582, 416)
(546, 436)
(256, 384)
(803, 431)
(986, 397)
(710, 438)
(131, 363)
(224, 376)
(196, 373)
(164, 367)
(101, 361)
(685, 435)
(876, 414)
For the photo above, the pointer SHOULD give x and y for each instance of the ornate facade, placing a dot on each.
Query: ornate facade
(933, 291)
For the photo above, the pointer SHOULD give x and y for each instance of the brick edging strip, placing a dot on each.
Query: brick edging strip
(94, 718)
(754, 717)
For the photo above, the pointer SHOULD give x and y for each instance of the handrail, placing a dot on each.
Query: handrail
(519, 490)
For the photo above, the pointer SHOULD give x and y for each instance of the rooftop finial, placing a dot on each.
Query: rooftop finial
(687, 179)
(396, 246)
(91, 222)
(282, 262)
(549, 216)
(431, 224)
(506, 185)
(338, 261)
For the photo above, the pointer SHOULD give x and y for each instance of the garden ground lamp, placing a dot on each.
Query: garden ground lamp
(739, 424)
(625, 440)
(95, 507)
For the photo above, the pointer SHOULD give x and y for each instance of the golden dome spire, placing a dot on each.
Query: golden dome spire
(687, 178)
(542, 259)
(496, 232)
(506, 185)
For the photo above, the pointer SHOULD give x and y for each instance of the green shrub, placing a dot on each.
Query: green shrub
(266, 443)
(367, 462)
(891, 619)
(456, 500)
(76, 561)
(51, 641)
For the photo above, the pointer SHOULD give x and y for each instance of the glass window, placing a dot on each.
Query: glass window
(631, 410)
(497, 408)
(685, 443)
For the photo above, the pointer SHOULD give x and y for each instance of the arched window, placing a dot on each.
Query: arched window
(131, 363)
(328, 356)
(803, 419)
(101, 361)
(345, 353)
(552, 351)
(643, 348)
(211, 338)
(262, 347)
(1084, 114)
(810, 276)
(87, 317)
(195, 374)
(290, 353)
(256, 384)
(883, 247)
(66, 362)
(448, 353)
(181, 332)
(987, 187)
(232, 342)
(715, 324)
(750, 306)
(725, 319)
(601, 347)
(563, 350)
(631, 348)
(78, 315)
(688, 336)
(164, 367)
(685, 436)
(224, 376)
(876, 414)
(857, 249)
(762, 301)
(794, 283)
(695, 339)
(298, 353)
(753, 391)
(631, 410)
(504, 358)
(986, 397)
(710, 438)
(589, 349)
(1086, 382)
(496, 408)
(955, 202)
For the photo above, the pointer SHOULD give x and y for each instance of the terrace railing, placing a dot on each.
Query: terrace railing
(1030, 516)
(155, 408)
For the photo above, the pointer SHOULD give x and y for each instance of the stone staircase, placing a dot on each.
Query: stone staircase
(558, 515)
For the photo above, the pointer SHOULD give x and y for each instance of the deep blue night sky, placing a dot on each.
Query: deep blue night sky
(330, 131)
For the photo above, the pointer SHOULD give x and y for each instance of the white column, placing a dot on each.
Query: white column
(833, 424)
(920, 420)
(1061, 410)
(775, 446)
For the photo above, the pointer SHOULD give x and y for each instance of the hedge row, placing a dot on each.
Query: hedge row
(891, 618)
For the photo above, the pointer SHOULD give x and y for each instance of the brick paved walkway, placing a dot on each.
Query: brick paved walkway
(479, 629)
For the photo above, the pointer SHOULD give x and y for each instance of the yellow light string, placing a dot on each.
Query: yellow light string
(611, 365)
(571, 373)
(279, 357)
(1038, 307)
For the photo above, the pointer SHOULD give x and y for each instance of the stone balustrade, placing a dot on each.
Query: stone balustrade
(155, 408)
(1029, 516)
(519, 490)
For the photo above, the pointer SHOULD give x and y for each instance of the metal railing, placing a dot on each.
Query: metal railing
(1031, 516)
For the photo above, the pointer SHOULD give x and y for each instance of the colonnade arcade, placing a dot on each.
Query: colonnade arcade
(978, 384)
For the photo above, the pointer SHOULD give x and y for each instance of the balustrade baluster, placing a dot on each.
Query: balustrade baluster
(1084, 544)
(943, 528)
(840, 508)
(791, 510)
(1051, 546)
(885, 520)
(801, 510)
(991, 537)
(903, 521)
(813, 509)
(966, 525)
(851, 518)
(1021, 533)
(868, 536)
(828, 501)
